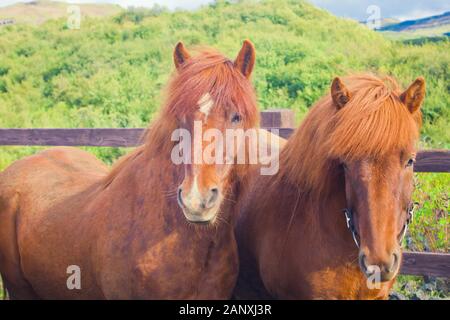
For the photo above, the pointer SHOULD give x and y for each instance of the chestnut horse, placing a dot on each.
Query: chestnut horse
(124, 233)
(355, 150)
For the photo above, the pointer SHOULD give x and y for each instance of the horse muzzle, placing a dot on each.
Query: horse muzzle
(200, 209)
(380, 270)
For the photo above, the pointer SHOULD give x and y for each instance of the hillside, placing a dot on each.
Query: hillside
(430, 27)
(37, 12)
(424, 23)
(388, 22)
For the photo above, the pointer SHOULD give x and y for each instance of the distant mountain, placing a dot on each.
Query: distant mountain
(388, 22)
(37, 12)
(424, 23)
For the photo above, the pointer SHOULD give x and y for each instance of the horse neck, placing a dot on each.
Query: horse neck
(319, 204)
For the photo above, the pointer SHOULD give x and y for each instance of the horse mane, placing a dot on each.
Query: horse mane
(373, 123)
(206, 72)
(210, 72)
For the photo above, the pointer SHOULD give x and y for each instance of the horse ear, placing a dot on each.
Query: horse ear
(414, 95)
(180, 55)
(339, 93)
(246, 58)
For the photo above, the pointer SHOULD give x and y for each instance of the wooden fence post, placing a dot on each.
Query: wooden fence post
(278, 118)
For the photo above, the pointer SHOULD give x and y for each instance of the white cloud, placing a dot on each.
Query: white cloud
(418, 14)
(404, 10)
(172, 4)
(356, 9)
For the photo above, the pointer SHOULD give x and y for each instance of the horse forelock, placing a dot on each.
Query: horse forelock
(372, 124)
(210, 73)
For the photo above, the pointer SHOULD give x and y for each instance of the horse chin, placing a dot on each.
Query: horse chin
(380, 277)
(204, 218)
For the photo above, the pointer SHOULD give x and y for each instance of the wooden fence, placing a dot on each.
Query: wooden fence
(414, 263)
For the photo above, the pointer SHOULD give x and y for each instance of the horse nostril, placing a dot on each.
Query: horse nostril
(394, 262)
(179, 198)
(381, 270)
(213, 196)
(362, 262)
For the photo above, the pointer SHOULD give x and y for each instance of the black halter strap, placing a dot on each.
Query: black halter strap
(351, 226)
(409, 219)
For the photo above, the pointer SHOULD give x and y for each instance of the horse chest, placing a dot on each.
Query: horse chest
(176, 268)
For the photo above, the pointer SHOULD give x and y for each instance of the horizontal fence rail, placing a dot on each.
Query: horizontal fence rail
(426, 160)
(414, 263)
(95, 137)
(426, 264)
(281, 119)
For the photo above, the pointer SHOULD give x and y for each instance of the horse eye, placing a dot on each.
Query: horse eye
(410, 162)
(236, 118)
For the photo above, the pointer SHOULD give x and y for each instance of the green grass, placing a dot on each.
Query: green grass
(2, 296)
(430, 228)
(429, 231)
(420, 288)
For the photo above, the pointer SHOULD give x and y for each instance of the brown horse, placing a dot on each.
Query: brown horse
(124, 234)
(355, 150)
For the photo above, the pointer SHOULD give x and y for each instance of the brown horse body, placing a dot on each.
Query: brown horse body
(135, 244)
(124, 230)
(353, 150)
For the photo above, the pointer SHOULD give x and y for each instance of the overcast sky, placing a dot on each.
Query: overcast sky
(172, 4)
(356, 9)
(400, 9)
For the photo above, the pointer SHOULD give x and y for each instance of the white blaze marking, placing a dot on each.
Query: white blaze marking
(194, 195)
(195, 190)
(205, 104)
